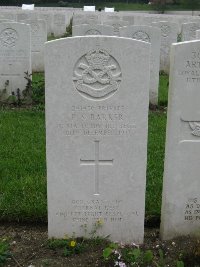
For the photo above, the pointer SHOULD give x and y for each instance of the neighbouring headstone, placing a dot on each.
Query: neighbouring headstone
(116, 25)
(169, 33)
(38, 39)
(153, 36)
(89, 29)
(96, 122)
(15, 58)
(28, 7)
(109, 9)
(188, 32)
(86, 18)
(59, 24)
(89, 8)
(129, 19)
(21, 16)
(48, 17)
(181, 198)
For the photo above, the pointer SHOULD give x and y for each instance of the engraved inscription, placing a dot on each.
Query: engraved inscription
(97, 75)
(191, 68)
(101, 120)
(96, 163)
(96, 209)
(142, 36)
(192, 210)
(93, 32)
(8, 38)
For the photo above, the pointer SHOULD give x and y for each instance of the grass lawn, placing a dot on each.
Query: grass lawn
(23, 162)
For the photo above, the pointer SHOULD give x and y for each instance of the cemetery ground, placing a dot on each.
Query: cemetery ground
(23, 199)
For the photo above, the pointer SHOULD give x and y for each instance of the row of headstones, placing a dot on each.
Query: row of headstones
(96, 126)
(56, 21)
(172, 29)
(10, 32)
(102, 86)
(21, 51)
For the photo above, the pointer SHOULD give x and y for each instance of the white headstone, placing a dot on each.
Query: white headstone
(15, 58)
(59, 24)
(28, 7)
(38, 39)
(89, 29)
(89, 8)
(169, 33)
(153, 36)
(48, 17)
(129, 19)
(188, 31)
(109, 9)
(86, 18)
(96, 122)
(181, 198)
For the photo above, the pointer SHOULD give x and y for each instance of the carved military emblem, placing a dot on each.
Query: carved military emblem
(195, 126)
(97, 75)
(34, 28)
(142, 36)
(93, 32)
(165, 30)
(8, 37)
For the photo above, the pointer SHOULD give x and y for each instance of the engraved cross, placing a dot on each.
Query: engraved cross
(96, 163)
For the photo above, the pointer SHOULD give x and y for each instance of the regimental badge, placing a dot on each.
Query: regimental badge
(8, 37)
(142, 36)
(97, 75)
(195, 126)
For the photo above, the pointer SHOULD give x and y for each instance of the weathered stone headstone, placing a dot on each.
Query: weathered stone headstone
(153, 36)
(89, 29)
(28, 7)
(38, 39)
(169, 33)
(15, 58)
(89, 8)
(129, 19)
(86, 18)
(97, 136)
(188, 32)
(48, 17)
(181, 198)
(109, 9)
(59, 24)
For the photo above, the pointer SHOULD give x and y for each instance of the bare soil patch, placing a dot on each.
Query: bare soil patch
(29, 247)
